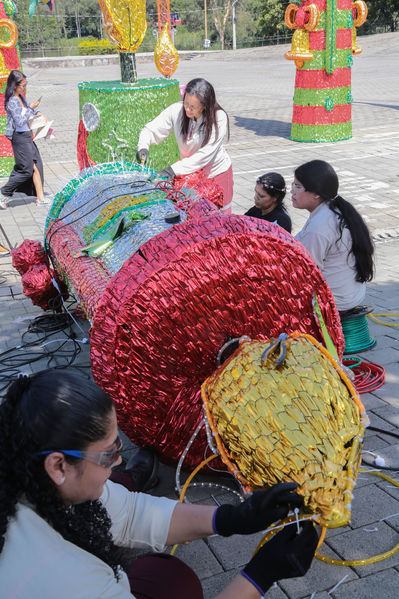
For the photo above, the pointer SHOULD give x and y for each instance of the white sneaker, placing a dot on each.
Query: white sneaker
(44, 202)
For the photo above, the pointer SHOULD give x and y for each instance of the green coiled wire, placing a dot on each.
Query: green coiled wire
(357, 335)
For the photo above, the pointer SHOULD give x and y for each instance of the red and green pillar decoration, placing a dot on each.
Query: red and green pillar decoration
(9, 60)
(323, 44)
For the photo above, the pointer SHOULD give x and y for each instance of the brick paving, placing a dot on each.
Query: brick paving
(256, 87)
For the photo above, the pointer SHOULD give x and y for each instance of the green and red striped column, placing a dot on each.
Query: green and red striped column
(323, 99)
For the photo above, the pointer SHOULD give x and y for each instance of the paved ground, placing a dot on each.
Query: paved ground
(256, 86)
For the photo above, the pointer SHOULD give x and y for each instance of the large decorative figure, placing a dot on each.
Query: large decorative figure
(166, 280)
(322, 47)
(112, 113)
(9, 60)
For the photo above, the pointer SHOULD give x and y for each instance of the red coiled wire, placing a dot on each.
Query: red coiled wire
(368, 376)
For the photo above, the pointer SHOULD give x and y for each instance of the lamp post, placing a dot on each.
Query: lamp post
(206, 41)
(233, 6)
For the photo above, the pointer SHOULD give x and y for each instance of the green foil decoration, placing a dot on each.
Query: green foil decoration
(124, 110)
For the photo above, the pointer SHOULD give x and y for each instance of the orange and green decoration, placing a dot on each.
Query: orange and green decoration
(322, 47)
(9, 60)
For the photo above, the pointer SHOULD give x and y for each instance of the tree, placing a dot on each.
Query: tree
(381, 14)
(37, 32)
(271, 17)
(220, 11)
(82, 17)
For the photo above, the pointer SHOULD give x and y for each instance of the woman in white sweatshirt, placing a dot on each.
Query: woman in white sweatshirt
(200, 125)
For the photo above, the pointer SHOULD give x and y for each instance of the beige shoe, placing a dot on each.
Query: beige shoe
(4, 251)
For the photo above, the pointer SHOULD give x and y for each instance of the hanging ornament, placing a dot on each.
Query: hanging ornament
(165, 54)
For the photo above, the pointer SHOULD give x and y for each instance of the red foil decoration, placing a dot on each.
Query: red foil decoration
(86, 275)
(205, 187)
(37, 285)
(29, 253)
(84, 158)
(164, 316)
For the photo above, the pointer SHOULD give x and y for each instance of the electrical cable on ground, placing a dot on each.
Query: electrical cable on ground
(357, 335)
(389, 314)
(368, 376)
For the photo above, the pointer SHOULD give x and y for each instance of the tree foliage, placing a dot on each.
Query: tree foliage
(256, 21)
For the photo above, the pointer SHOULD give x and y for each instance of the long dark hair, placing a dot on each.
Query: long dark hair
(274, 184)
(53, 409)
(203, 90)
(14, 79)
(320, 178)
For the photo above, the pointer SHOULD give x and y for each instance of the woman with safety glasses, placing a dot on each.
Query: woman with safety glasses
(64, 527)
(269, 201)
(335, 234)
(200, 125)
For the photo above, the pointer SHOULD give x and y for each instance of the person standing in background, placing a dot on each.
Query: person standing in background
(27, 174)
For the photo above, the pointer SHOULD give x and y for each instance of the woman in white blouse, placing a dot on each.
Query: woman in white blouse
(335, 233)
(200, 125)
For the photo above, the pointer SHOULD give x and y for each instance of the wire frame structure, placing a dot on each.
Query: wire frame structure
(284, 410)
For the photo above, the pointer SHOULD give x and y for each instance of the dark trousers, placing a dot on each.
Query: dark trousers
(159, 575)
(26, 155)
(163, 576)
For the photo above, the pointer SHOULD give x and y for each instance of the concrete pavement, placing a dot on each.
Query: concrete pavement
(255, 86)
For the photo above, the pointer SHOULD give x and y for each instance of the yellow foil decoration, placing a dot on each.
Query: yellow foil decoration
(165, 54)
(125, 22)
(299, 48)
(10, 43)
(301, 421)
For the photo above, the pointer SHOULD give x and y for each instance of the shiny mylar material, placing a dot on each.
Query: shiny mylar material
(121, 111)
(125, 22)
(165, 54)
(9, 60)
(300, 421)
(322, 47)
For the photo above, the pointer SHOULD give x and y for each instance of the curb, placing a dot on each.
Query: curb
(104, 59)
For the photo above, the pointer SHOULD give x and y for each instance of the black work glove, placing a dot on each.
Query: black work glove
(257, 512)
(167, 173)
(142, 156)
(286, 555)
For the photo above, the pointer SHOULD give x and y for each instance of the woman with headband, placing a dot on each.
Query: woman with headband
(269, 195)
(335, 233)
(65, 528)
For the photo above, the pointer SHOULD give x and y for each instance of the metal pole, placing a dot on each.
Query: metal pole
(234, 24)
(234, 28)
(206, 20)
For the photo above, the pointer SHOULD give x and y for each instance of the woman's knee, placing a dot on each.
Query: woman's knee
(160, 575)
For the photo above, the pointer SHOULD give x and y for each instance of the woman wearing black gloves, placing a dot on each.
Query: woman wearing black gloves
(64, 525)
(200, 125)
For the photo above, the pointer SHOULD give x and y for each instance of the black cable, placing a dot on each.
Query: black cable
(380, 430)
(385, 432)
(392, 468)
(45, 328)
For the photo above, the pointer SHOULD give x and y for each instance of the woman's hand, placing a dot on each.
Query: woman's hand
(167, 173)
(257, 512)
(34, 105)
(142, 156)
(286, 555)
